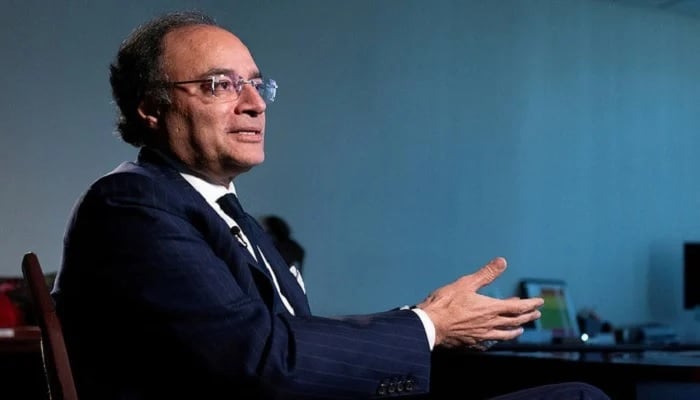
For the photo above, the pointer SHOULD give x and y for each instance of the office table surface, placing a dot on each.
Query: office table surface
(673, 354)
(20, 339)
(676, 358)
(623, 374)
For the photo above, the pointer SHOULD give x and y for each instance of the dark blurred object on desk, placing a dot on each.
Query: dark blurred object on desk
(650, 333)
(591, 323)
(593, 328)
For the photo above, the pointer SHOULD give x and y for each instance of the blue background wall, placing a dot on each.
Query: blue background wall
(411, 141)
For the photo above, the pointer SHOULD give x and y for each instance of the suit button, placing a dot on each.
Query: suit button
(381, 390)
(400, 385)
(409, 384)
(392, 387)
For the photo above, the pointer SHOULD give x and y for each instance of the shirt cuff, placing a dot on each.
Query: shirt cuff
(427, 325)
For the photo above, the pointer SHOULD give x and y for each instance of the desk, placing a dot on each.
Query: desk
(635, 375)
(21, 365)
(21, 339)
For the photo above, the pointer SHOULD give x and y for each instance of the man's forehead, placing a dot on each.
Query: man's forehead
(202, 47)
(198, 33)
(202, 38)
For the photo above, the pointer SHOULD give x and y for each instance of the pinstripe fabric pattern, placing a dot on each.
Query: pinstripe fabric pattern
(158, 300)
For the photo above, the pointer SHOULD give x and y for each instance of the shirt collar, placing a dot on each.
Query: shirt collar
(211, 192)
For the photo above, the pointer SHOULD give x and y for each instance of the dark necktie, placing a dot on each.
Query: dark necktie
(232, 207)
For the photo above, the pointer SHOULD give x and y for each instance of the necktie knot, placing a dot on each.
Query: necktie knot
(230, 205)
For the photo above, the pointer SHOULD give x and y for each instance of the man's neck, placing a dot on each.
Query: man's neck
(183, 168)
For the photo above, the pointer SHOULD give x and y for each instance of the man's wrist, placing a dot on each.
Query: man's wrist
(427, 325)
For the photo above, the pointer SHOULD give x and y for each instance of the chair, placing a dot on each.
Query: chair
(56, 364)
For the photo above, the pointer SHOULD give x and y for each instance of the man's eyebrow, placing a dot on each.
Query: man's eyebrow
(229, 71)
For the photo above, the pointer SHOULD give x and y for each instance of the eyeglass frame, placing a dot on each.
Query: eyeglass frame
(237, 81)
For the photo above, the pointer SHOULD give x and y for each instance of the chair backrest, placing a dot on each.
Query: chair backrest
(56, 364)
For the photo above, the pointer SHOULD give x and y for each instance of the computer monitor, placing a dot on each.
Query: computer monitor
(558, 312)
(691, 275)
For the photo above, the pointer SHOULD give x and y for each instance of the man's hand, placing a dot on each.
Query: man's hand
(465, 318)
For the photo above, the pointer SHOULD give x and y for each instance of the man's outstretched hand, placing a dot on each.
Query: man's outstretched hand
(465, 318)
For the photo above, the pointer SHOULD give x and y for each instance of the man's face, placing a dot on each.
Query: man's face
(217, 138)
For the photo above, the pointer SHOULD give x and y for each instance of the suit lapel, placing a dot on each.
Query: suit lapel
(225, 244)
(288, 282)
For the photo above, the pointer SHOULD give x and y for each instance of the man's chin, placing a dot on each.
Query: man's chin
(242, 167)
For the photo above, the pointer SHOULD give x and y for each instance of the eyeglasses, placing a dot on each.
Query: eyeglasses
(229, 87)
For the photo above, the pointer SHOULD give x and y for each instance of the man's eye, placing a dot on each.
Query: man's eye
(224, 85)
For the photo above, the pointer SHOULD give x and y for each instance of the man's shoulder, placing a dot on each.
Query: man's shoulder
(147, 184)
(148, 166)
(139, 183)
(130, 176)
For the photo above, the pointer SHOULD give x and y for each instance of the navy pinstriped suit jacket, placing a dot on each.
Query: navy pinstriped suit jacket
(159, 301)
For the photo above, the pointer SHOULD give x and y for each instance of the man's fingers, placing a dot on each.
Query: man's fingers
(506, 321)
(517, 306)
(488, 273)
(531, 303)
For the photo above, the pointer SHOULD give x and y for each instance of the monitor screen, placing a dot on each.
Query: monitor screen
(691, 275)
(558, 311)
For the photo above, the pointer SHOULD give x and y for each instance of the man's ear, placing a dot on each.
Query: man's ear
(149, 111)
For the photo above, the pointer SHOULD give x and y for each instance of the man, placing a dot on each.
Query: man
(168, 290)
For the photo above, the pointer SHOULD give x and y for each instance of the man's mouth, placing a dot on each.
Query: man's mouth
(246, 132)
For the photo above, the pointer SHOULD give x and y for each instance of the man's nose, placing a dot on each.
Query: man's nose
(250, 101)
